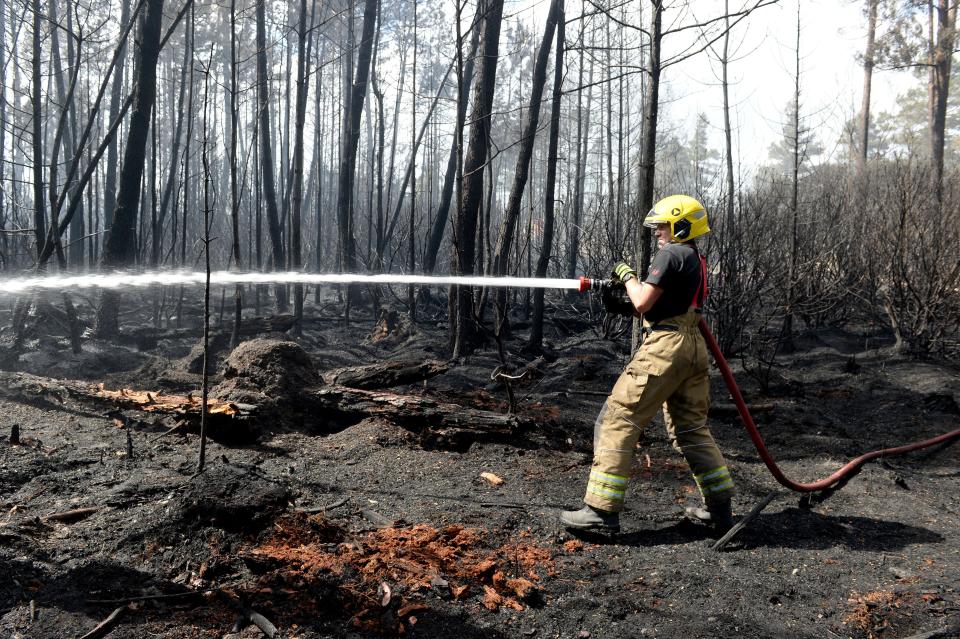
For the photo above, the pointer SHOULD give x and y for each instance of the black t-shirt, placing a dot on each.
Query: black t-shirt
(675, 269)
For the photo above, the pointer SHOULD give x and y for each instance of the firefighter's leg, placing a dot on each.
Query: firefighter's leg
(686, 418)
(635, 399)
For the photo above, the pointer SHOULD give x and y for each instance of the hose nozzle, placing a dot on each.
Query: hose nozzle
(589, 284)
(596, 284)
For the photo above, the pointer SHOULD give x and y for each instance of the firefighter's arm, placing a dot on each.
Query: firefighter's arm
(643, 295)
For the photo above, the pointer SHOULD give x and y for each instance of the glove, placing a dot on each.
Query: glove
(623, 272)
(615, 304)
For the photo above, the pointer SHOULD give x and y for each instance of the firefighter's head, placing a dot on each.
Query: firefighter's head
(686, 216)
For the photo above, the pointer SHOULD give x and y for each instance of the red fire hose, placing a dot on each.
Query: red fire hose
(841, 475)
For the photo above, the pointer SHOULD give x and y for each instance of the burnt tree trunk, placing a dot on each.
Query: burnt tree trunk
(234, 181)
(351, 138)
(446, 193)
(648, 150)
(549, 198)
(110, 182)
(39, 208)
(120, 246)
(790, 289)
(508, 224)
(300, 115)
(463, 329)
(942, 54)
(385, 374)
(868, 62)
(582, 138)
(278, 260)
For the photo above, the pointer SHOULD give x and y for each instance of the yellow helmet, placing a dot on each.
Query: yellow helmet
(686, 216)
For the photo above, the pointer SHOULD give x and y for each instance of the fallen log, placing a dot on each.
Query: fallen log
(385, 374)
(50, 393)
(416, 413)
(338, 405)
(152, 402)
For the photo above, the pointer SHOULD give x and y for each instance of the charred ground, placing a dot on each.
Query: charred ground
(343, 511)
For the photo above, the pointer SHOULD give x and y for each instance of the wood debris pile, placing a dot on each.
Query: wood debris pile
(383, 578)
(879, 612)
(154, 402)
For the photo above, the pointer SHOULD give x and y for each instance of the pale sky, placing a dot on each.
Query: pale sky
(833, 33)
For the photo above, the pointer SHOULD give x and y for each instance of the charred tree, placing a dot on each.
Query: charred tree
(792, 248)
(351, 139)
(36, 98)
(463, 323)
(119, 250)
(446, 192)
(278, 260)
(648, 134)
(4, 239)
(941, 61)
(549, 198)
(525, 153)
(110, 182)
(582, 136)
(868, 63)
(648, 148)
(301, 110)
(234, 181)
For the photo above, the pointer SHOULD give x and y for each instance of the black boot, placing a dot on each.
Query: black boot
(717, 515)
(589, 518)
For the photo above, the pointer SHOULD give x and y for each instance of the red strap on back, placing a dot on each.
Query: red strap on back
(700, 297)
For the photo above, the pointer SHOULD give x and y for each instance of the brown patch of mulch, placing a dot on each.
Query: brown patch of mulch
(573, 545)
(876, 612)
(382, 577)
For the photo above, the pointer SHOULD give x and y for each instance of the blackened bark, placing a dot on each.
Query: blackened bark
(648, 143)
(549, 198)
(446, 193)
(789, 289)
(464, 331)
(868, 62)
(508, 224)
(648, 150)
(583, 136)
(351, 138)
(120, 246)
(177, 136)
(39, 207)
(234, 181)
(110, 182)
(278, 260)
(940, 87)
(301, 110)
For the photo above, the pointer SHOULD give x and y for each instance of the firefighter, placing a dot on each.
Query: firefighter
(669, 371)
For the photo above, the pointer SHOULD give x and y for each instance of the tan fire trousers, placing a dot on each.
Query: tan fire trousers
(669, 371)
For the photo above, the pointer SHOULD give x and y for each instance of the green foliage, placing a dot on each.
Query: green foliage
(781, 152)
(901, 40)
(906, 131)
(689, 165)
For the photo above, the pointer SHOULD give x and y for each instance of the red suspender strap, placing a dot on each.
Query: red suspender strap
(700, 297)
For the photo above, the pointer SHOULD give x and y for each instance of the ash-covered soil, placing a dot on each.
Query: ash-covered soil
(326, 523)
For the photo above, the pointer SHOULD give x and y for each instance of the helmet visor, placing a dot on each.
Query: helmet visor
(653, 219)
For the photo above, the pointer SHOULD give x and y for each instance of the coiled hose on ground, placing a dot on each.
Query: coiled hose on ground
(843, 473)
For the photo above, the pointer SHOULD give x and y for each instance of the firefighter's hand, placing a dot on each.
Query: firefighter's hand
(623, 272)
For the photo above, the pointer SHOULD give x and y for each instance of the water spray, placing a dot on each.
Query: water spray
(128, 280)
